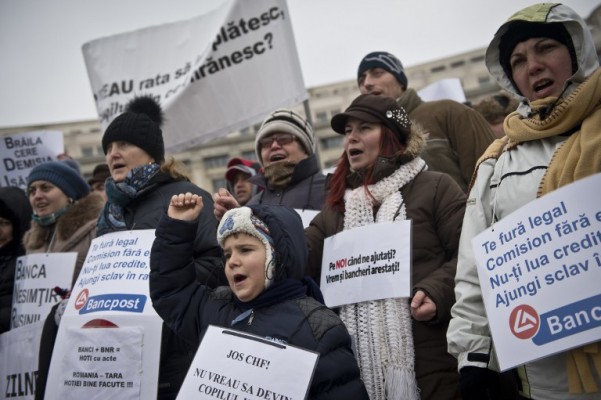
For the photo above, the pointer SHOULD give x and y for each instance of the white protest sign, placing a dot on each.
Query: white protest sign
(19, 350)
(23, 151)
(539, 270)
(36, 276)
(111, 295)
(444, 89)
(115, 367)
(371, 262)
(206, 71)
(236, 365)
(306, 216)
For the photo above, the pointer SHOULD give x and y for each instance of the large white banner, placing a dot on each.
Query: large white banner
(540, 273)
(212, 74)
(23, 151)
(109, 337)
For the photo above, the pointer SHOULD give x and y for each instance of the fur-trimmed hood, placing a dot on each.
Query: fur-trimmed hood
(79, 216)
(416, 142)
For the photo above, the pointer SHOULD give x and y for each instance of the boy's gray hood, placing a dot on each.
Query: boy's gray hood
(543, 13)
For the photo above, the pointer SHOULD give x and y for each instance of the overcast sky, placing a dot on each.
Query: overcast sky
(43, 78)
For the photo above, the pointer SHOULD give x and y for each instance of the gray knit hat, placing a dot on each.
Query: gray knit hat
(63, 176)
(286, 121)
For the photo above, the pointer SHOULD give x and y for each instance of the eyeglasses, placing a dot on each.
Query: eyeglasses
(282, 139)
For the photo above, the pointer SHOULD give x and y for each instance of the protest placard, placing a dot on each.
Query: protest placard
(36, 276)
(239, 41)
(236, 365)
(101, 361)
(109, 336)
(539, 270)
(23, 151)
(367, 263)
(19, 350)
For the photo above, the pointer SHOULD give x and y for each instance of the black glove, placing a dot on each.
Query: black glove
(479, 384)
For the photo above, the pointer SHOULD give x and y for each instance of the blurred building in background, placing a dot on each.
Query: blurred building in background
(207, 163)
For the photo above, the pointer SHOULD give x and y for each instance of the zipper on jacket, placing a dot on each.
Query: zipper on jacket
(251, 318)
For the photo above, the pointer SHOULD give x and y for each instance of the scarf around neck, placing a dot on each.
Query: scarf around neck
(279, 174)
(579, 115)
(382, 329)
(51, 219)
(119, 194)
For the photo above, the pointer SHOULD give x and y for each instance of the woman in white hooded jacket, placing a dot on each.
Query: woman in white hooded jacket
(544, 55)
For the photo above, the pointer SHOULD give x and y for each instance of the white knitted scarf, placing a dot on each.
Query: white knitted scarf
(381, 329)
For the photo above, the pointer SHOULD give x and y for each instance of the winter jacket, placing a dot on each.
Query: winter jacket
(145, 212)
(14, 206)
(457, 135)
(305, 191)
(435, 205)
(507, 179)
(73, 232)
(188, 307)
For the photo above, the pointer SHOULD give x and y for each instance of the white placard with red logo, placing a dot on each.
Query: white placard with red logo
(109, 337)
(36, 276)
(371, 262)
(237, 365)
(539, 271)
(21, 152)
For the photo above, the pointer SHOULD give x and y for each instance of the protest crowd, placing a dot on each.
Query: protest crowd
(373, 275)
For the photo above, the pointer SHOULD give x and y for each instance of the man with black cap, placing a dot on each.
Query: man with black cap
(457, 135)
(291, 176)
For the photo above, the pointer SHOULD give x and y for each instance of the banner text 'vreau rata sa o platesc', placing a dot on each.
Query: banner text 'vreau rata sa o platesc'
(213, 74)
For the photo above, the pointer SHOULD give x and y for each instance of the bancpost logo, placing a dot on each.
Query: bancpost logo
(524, 321)
(123, 302)
(81, 299)
(568, 320)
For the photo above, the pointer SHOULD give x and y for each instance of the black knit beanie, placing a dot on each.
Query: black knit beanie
(139, 125)
(520, 31)
(386, 61)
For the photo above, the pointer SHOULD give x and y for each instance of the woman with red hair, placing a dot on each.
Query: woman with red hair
(400, 343)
